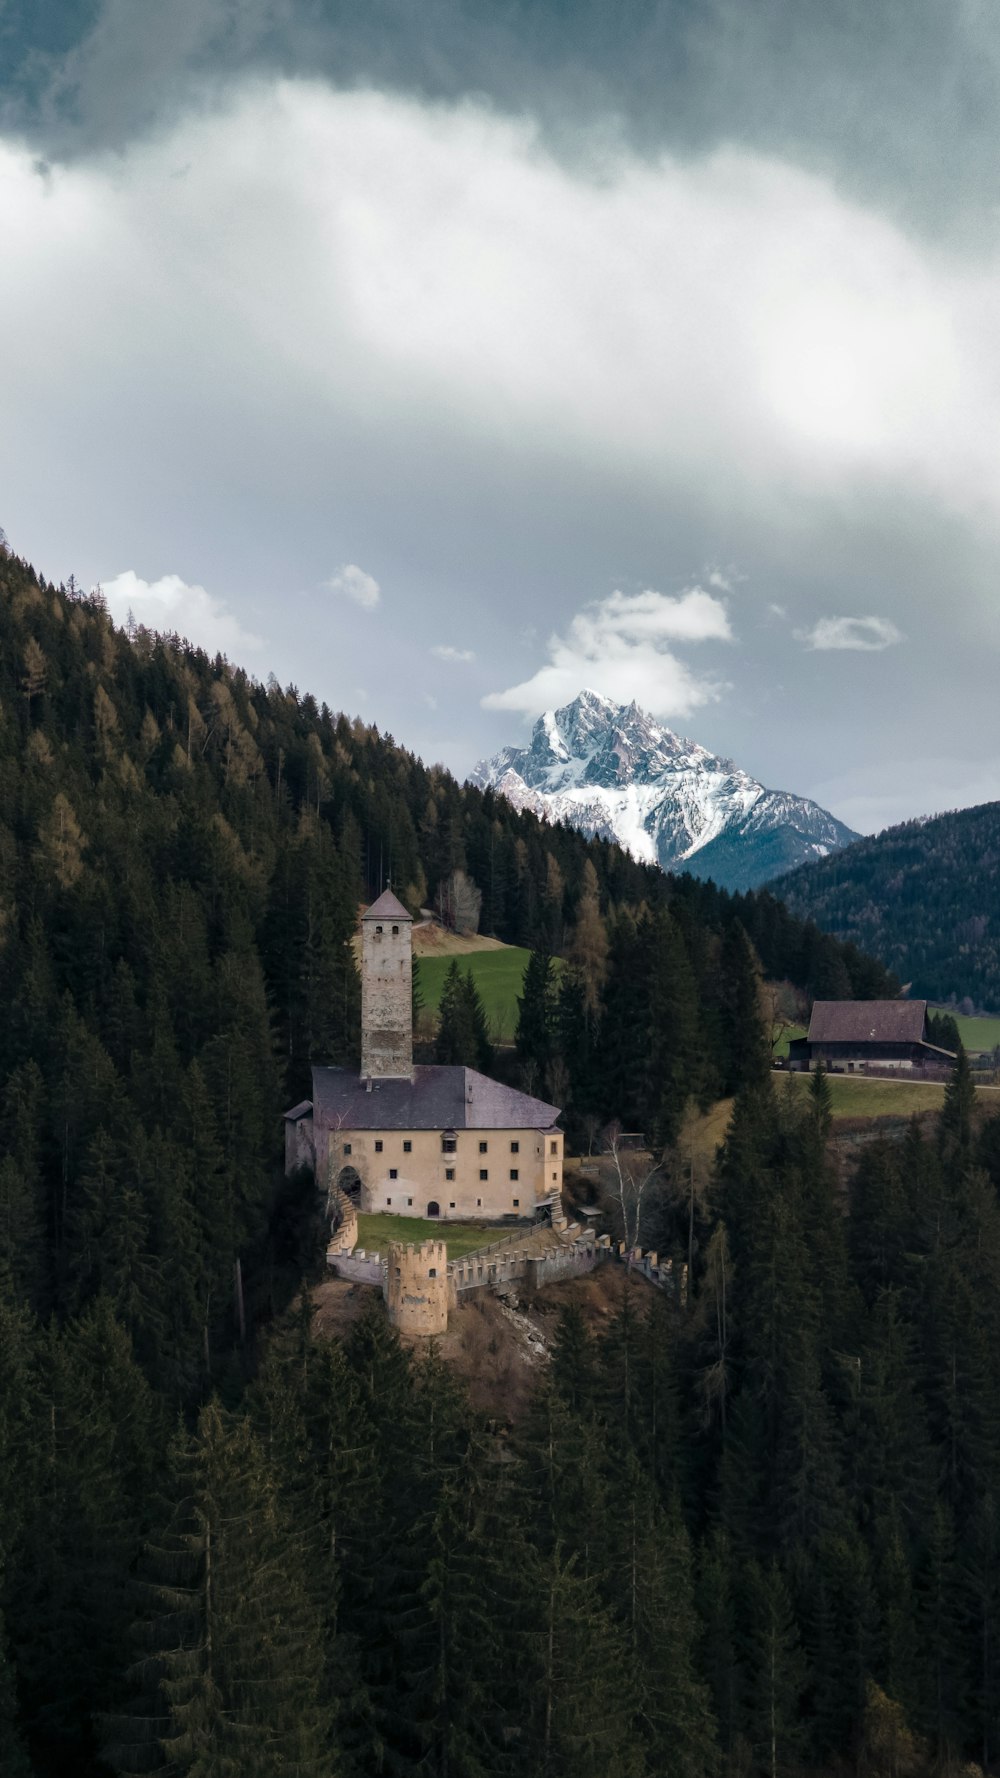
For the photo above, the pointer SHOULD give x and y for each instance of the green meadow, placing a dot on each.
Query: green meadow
(976, 1034)
(375, 1233)
(498, 976)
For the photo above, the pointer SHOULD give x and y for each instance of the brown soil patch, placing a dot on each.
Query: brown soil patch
(339, 1304)
(432, 940)
(499, 1348)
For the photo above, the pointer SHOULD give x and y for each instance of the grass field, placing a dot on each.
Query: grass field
(976, 1034)
(375, 1233)
(498, 976)
(787, 1036)
(859, 1095)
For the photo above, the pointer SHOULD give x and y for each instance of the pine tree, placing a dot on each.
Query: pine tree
(775, 1669)
(533, 1039)
(234, 1656)
(745, 1044)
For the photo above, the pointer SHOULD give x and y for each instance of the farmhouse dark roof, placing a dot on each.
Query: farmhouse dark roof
(387, 907)
(868, 1021)
(303, 1109)
(436, 1098)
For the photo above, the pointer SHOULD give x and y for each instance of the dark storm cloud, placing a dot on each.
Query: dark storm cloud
(898, 100)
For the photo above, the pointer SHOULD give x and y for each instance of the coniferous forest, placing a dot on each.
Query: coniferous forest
(924, 896)
(754, 1531)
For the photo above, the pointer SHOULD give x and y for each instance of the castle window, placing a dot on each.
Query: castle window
(555, 1176)
(449, 1142)
(393, 1173)
(451, 1206)
(483, 1146)
(399, 1271)
(407, 1147)
(513, 1172)
(388, 1200)
(395, 934)
(484, 1172)
(449, 1173)
(409, 1200)
(479, 1205)
(347, 1148)
(516, 1203)
(378, 1148)
(515, 1148)
(378, 929)
(433, 1272)
(553, 1148)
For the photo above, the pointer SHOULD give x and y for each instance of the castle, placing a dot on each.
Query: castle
(445, 1143)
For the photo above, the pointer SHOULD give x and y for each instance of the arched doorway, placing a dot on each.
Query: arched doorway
(433, 1209)
(349, 1181)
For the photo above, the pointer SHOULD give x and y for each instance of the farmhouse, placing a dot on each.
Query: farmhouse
(852, 1035)
(440, 1142)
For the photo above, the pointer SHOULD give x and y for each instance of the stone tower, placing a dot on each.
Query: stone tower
(386, 990)
(416, 1287)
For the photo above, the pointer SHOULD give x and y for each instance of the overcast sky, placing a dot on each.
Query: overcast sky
(446, 359)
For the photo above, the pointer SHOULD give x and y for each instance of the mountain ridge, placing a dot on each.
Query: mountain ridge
(613, 771)
(923, 896)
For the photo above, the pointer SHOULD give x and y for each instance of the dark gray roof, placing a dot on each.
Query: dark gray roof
(868, 1021)
(303, 1109)
(387, 907)
(437, 1098)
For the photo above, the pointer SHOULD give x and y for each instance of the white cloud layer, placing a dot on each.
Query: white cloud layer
(172, 605)
(866, 635)
(354, 583)
(304, 324)
(621, 646)
(445, 652)
(739, 314)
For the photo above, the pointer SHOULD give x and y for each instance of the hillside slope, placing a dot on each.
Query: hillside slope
(924, 897)
(613, 770)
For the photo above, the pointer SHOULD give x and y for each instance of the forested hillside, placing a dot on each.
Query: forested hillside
(182, 853)
(923, 897)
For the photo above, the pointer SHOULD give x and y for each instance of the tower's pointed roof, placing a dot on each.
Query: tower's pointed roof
(387, 907)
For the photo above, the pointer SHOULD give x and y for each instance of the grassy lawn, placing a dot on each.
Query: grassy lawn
(375, 1233)
(787, 1036)
(976, 1034)
(859, 1095)
(498, 976)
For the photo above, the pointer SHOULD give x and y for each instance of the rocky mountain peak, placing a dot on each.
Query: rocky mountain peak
(614, 770)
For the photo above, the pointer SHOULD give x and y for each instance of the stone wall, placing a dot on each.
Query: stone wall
(416, 1287)
(386, 997)
(345, 1225)
(359, 1267)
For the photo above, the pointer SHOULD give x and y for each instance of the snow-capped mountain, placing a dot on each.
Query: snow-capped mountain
(613, 770)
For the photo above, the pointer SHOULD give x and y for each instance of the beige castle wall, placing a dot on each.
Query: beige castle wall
(421, 1171)
(386, 998)
(416, 1287)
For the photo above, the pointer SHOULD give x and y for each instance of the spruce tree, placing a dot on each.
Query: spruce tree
(232, 1647)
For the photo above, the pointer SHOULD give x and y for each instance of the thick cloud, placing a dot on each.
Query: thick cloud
(298, 328)
(897, 101)
(170, 606)
(623, 646)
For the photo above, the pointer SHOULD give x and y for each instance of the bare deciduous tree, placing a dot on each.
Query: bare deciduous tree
(633, 1172)
(459, 902)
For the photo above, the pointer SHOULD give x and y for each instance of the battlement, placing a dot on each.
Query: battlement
(416, 1286)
